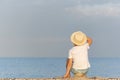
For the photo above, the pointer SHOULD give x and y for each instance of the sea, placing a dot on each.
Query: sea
(54, 67)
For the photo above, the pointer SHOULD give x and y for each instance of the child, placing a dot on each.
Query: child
(77, 61)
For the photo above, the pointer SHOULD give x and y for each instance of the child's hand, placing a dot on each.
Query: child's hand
(66, 76)
(89, 40)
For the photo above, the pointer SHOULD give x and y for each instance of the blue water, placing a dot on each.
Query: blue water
(54, 67)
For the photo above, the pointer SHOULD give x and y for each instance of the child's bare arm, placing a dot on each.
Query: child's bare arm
(68, 68)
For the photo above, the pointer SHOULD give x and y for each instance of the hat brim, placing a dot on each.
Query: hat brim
(79, 43)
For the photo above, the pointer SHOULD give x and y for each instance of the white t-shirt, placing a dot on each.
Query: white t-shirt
(79, 54)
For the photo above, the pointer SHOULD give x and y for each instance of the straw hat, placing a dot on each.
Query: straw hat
(78, 38)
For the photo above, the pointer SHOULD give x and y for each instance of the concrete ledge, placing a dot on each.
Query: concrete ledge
(93, 78)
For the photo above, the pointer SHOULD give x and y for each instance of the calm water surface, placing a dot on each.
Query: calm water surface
(53, 67)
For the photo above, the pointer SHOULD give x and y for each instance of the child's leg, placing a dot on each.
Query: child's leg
(77, 75)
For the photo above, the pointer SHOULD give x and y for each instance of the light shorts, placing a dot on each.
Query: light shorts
(81, 71)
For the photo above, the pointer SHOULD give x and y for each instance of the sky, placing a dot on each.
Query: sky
(42, 28)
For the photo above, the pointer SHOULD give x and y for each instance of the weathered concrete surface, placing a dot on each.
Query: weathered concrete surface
(93, 78)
